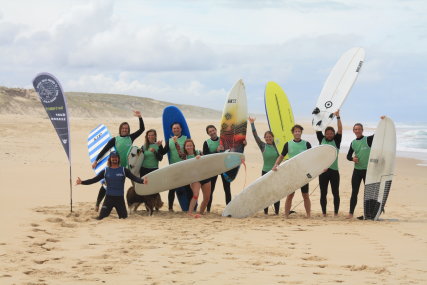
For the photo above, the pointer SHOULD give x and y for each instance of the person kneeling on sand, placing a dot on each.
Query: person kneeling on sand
(114, 176)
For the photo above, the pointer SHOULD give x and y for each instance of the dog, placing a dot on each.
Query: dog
(152, 202)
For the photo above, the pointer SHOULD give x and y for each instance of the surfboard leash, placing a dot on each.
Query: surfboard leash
(290, 212)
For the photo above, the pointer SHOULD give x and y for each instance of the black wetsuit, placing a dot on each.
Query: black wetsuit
(225, 183)
(358, 175)
(115, 180)
(331, 176)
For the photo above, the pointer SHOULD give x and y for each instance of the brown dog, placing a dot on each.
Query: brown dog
(151, 201)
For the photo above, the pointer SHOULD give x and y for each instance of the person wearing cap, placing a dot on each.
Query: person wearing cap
(122, 143)
(114, 176)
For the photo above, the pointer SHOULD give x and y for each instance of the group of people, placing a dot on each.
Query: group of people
(179, 148)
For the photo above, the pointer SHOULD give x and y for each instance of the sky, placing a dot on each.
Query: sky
(192, 52)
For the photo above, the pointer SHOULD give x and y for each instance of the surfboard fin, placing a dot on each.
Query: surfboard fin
(316, 111)
(319, 123)
(331, 116)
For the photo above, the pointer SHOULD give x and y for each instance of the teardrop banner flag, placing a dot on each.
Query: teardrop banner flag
(53, 100)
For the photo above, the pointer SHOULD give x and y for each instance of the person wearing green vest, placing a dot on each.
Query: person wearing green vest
(210, 146)
(269, 155)
(191, 152)
(122, 143)
(153, 153)
(175, 148)
(361, 148)
(293, 148)
(331, 175)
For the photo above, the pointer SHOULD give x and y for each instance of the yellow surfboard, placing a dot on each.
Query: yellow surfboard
(279, 114)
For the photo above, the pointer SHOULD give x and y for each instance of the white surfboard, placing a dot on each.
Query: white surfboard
(188, 171)
(275, 185)
(379, 174)
(96, 140)
(135, 159)
(337, 86)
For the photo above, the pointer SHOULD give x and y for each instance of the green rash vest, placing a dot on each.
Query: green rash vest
(362, 151)
(150, 160)
(269, 156)
(174, 156)
(123, 144)
(193, 155)
(212, 145)
(295, 148)
(334, 165)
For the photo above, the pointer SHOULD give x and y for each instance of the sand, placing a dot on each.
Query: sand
(41, 242)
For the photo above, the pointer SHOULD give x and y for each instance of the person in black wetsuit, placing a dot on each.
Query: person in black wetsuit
(293, 148)
(114, 176)
(361, 148)
(122, 143)
(210, 146)
(331, 175)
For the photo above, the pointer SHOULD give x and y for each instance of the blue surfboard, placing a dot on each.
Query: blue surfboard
(172, 115)
(96, 140)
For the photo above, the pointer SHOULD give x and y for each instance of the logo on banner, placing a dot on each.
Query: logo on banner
(64, 141)
(48, 90)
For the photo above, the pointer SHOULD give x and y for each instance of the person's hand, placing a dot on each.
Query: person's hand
(145, 180)
(245, 142)
(382, 117)
(355, 159)
(152, 149)
(251, 119)
(337, 113)
(137, 114)
(78, 181)
(324, 170)
(219, 148)
(274, 167)
(159, 143)
(198, 156)
(175, 138)
(94, 164)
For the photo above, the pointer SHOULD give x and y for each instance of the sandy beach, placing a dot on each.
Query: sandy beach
(41, 242)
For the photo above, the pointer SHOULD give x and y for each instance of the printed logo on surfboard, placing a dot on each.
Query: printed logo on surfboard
(328, 104)
(48, 90)
(232, 101)
(359, 66)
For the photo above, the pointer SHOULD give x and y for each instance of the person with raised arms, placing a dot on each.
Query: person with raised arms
(269, 155)
(175, 148)
(114, 176)
(211, 146)
(331, 175)
(293, 148)
(122, 143)
(361, 148)
(191, 152)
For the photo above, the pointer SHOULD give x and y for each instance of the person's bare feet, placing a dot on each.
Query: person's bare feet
(96, 208)
(350, 216)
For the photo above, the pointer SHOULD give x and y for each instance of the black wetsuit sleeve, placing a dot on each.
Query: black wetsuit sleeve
(350, 153)
(111, 143)
(337, 139)
(320, 136)
(206, 148)
(369, 140)
(308, 145)
(95, 179)
(165, 150)
(133, 177)
(285, 150)
(260, 143)
(136, 134)
(159, 154)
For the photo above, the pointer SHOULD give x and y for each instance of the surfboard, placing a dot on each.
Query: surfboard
(379, 174)
(234, 123)
(171, 115)
(279, 114)
(135, 159)
(188, 171)
(337, 87)
(96, 140)
(275, 185)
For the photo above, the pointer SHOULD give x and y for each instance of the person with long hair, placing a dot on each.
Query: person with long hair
(114, 176)
(269, 155)
(191, 152)
(153, 152)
